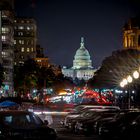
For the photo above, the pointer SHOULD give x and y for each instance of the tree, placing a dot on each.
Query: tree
(25, 77)
(115, 67)
(30, 75)
(62, 83)
(46, 77)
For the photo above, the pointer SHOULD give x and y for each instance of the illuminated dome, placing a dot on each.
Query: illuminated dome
(82, 57)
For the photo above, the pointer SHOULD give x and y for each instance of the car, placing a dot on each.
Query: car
(133, 130)
(78, 110)
(87, 125)
(87, 115)
(75, 113)
(117, 127)
(118, 114)
(24, 125)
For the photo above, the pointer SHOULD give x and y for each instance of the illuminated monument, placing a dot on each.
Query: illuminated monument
(82, 65)
(131, 34)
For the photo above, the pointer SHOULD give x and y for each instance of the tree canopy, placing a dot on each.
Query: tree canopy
(31, 75)
(115, 67)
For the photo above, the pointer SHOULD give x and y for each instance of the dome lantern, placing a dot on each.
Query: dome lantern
(82, 42)
(82, 57)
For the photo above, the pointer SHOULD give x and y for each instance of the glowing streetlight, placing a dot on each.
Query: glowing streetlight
(136, 74)
(125, 81)
(122, 84)
(129, 79)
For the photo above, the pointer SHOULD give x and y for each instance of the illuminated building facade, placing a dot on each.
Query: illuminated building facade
(131, 34)
(6, 45)
(25, 39)
(42, 61)
(82, 65)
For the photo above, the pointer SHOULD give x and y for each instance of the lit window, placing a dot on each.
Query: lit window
(28, 28)
(20, 33)
(21, 41)
(4, 54)
(21, 27)
(3, 38)
(22, 49)
(21, 62)
(14, 41)
(5, 30)
(28, 50)
(32, 49)
(4, 15)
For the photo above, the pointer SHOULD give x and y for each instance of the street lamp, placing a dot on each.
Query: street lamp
(129, 79)
(122, 84)
(136, 74)
(125, 82)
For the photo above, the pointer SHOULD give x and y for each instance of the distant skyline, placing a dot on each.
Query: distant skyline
(62, 23)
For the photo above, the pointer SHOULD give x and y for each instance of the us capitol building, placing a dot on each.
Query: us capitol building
(82, 65)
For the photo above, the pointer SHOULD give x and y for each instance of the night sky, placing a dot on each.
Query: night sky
(61, 24)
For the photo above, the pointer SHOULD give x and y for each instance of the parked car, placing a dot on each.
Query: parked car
(87, 126)
(117, 127)
(78, 110)
(107, 119)
(17, 124)
(87, 115)
(132, 131)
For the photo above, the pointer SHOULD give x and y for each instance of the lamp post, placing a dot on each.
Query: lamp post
(125, 82)
(129, 80)
(136, 74)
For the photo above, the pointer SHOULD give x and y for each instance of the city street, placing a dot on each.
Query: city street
(69, 69)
